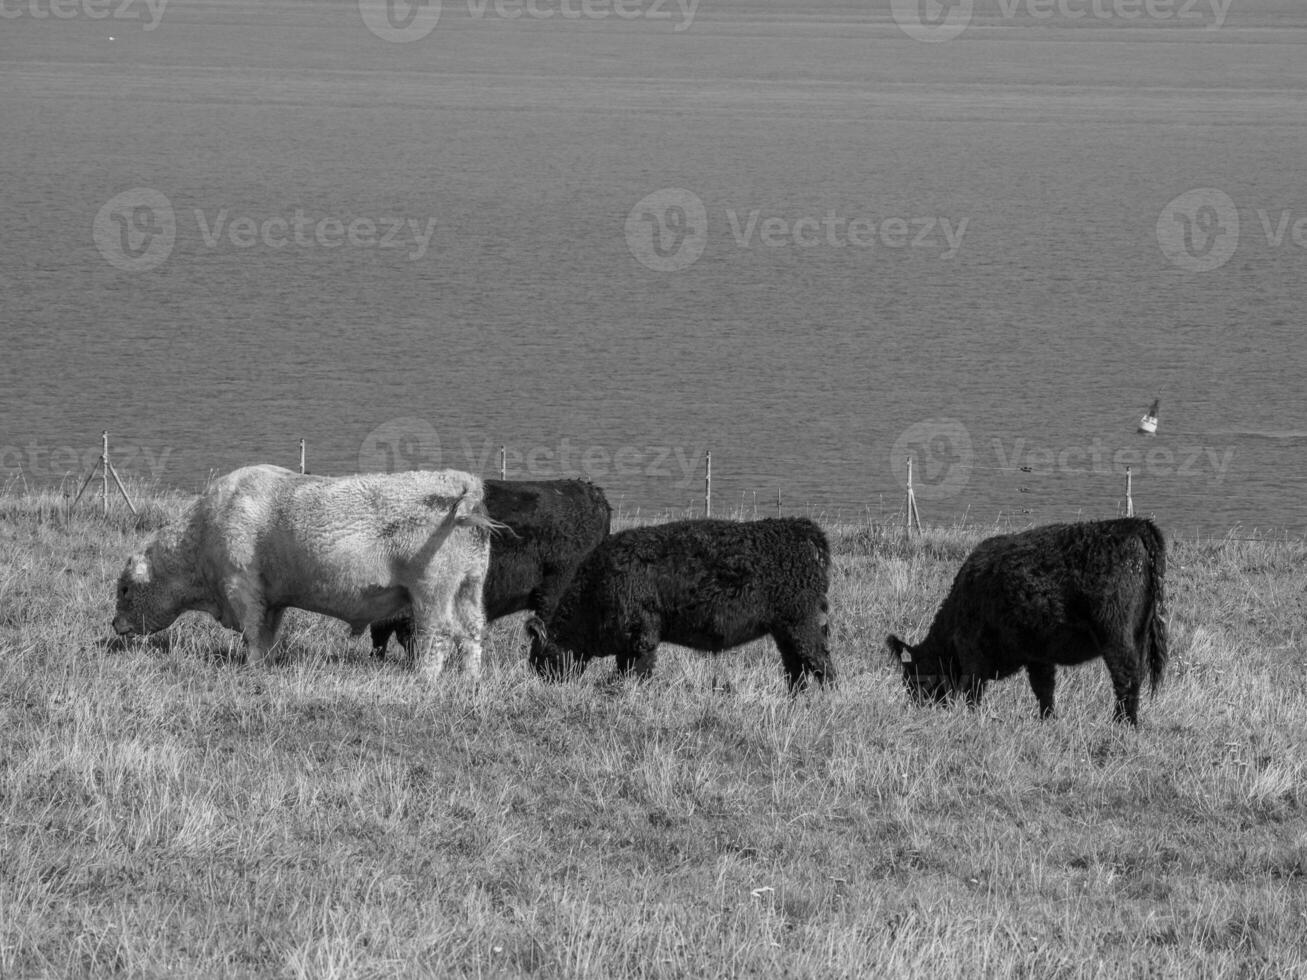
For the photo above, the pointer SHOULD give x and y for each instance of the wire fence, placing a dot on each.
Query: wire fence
(1037, 492)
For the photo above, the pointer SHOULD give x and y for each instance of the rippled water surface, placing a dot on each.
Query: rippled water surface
(412, 253)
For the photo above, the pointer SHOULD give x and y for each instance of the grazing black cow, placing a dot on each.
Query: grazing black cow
(707, 584)
(1060, 594)
(550, 526)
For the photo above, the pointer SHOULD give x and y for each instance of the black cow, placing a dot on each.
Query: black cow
(1060, 594)
(707, 584)
(550, 526)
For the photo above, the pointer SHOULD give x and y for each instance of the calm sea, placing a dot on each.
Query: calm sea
(612, 235)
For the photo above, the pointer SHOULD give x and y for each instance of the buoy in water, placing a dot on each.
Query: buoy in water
(1148, 424)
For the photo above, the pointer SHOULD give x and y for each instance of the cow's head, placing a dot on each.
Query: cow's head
(926, 683)
(146, 602)
(551, 661)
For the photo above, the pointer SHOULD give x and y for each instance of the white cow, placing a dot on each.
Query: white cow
(360, 548)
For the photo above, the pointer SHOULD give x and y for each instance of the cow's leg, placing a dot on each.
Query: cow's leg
(791, 659)
(970, 667)
(431, 644)
(544, 598)
(469, 614)
(381, 638)
(1127, 675)
(268, 628)
(401, 629)
(249, 615)
(434, 628)
(404, 637)
(640, 652)
(972, 687)
(1042, 679)
(805, 649)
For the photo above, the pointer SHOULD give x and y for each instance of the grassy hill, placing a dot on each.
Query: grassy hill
(165, 810)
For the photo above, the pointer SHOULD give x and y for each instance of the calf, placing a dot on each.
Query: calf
(549, 526)
(1060, 594)
(706, 584)
(262, 539)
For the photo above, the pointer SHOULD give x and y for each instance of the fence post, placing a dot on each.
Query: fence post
(104, 469)
(778, 501)
(910, 515)
(303, 457)
(503, 462)
(707, 483)
(1129, 499)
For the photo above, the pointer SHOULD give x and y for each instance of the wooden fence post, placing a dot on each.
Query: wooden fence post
(707, 483)
(910, 515)
(503, 462)
(303, 457)
(106, 471)
(1129, 498)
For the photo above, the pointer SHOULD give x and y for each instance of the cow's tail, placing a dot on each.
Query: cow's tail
(820, 545)
(1155, 545)
(469, 510)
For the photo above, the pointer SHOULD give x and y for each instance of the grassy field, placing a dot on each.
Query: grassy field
(165, 810)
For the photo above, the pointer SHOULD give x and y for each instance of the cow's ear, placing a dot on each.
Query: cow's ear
(899, 651)
(535, 628)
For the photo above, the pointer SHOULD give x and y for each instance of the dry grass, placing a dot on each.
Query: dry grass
(165, 810)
